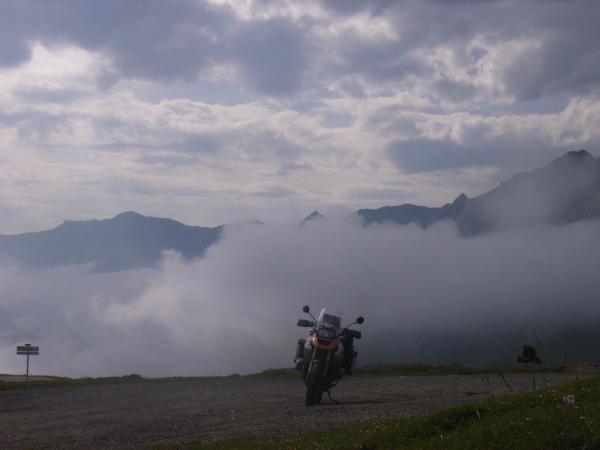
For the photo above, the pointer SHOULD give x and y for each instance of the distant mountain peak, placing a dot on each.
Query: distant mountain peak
(315, 215)
(128, 240)
(461, 199)
(578, 154)
(572, 157)
(128, 215)
(564, 191)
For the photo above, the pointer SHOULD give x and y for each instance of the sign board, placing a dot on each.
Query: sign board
(27, 350)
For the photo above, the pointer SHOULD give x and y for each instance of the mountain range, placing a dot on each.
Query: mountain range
(125, 241)
(564, 191)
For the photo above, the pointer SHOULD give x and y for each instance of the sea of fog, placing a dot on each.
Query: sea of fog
(427, 296)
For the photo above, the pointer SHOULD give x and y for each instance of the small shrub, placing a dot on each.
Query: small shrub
(529, 355)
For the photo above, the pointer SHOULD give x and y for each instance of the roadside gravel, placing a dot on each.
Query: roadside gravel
(140, 415)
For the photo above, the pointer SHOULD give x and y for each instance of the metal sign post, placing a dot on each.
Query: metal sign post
(28, 350)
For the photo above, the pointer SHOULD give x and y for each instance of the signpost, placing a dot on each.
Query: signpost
(27, 349)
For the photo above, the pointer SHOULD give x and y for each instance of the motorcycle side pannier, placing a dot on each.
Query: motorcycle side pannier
(300, 348)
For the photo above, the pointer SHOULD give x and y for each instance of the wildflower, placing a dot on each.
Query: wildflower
(569, 399)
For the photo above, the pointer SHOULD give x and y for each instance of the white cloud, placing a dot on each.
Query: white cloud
(57, 69)
(195, 100)
(427, 296)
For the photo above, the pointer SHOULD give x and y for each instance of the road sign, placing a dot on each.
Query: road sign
(28, 350)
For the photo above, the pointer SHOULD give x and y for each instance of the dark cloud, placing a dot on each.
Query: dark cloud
(123, 186)
(288, 167)
(394, 195)
(162, 40)
(508, 151)
(13, 118)
(169, 148)
(564, 64)
(411, 51)
(13, 52)
(422, 155)
(376, 59)
(280, 57)
(166, 160)
(199, 143)
(47, 95)
(564, 57)
(392, 119)
(14, 21)
(173, 40)
(274, 56)
(454, 90)
(348, 7)
(39, 127)
(337, 120)
(274, 192)
(270, 146)
(147, 39)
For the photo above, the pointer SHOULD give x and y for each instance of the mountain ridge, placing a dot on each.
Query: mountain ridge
(127, 240)
(565, 190)
(313, 216)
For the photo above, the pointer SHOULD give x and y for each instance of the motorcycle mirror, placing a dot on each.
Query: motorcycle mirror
(306, 309)
(360, 320)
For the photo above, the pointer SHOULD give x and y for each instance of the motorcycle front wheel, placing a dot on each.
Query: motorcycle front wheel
(313, 385)
(318, 397)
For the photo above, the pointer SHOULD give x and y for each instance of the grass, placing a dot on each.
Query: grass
(536, 420)
(63, 381)
(269, 374)
(135, 378)
(452, 369)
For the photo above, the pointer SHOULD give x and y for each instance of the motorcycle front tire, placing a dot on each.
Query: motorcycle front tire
(313, 384)
(318, 397)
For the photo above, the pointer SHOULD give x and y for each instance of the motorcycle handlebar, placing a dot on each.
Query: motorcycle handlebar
(305, 323)
(353, 333)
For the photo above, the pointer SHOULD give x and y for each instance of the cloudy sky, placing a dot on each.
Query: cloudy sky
(224, 111)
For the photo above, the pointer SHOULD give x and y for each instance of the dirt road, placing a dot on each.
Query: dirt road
(149, 414)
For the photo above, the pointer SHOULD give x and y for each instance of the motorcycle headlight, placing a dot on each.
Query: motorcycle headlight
(324, 333)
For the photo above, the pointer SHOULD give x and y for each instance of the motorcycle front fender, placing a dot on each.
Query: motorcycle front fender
(319, 356)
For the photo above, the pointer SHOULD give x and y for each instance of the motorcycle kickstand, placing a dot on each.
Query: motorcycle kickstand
(331, 398)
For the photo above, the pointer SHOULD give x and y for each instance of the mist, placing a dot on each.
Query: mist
(427, 296)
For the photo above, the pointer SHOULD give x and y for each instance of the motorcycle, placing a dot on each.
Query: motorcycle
(327, 355)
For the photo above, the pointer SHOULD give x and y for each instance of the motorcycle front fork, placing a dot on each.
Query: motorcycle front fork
(317, 355)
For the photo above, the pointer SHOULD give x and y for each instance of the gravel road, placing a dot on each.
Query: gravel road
(150, 414)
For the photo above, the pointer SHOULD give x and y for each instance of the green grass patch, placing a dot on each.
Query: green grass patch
(64, 382)
(452, 369)
(274, 374)
(285, 373)
(536, 420)
(135, 378)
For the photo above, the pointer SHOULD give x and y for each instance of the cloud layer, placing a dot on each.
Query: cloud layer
(427, 296)
(190, 108)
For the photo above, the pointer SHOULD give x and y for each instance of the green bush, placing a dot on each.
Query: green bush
(529, 355)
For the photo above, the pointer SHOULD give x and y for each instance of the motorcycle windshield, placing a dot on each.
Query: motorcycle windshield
(331, 319)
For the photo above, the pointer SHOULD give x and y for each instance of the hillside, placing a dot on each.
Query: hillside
(564, 191)
(125, 241)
